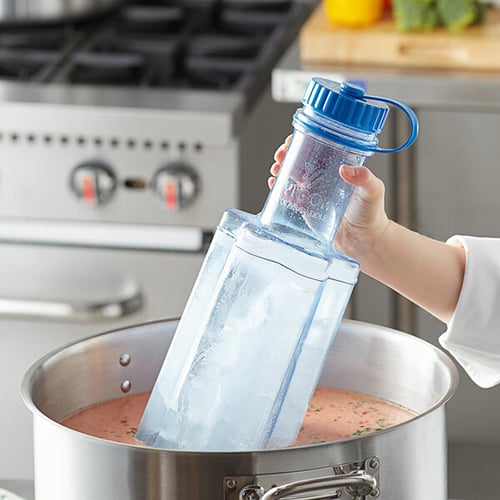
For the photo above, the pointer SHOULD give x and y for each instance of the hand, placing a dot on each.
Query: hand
(365, 219)
(426, 271)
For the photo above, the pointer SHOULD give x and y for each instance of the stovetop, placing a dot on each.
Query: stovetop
(200, 45)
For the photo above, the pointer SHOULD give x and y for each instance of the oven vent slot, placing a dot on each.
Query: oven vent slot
(84, 141)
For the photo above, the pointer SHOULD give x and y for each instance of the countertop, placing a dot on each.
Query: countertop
(418, 88)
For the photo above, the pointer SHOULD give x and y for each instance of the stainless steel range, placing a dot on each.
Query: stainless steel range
(122, 141)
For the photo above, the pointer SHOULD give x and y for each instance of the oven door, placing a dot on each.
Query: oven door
(53, 294)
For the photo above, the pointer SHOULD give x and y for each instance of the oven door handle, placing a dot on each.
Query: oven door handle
(72, 310)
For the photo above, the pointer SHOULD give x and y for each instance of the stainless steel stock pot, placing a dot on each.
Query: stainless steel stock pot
(405, 462)
(40, 11)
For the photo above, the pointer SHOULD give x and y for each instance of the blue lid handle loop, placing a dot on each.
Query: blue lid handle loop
(412, 118)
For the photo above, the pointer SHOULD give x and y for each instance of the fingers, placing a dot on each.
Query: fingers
(275, 168)
(279, 155)
(281, 151)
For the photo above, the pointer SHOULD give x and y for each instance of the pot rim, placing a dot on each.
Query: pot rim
(31, 373)
(74, 14)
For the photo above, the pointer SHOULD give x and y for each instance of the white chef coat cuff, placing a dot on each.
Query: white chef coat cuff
(473, 334)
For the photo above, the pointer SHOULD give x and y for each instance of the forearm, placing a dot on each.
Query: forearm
(426, 271)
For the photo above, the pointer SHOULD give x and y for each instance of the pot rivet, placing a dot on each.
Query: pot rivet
(375, 492)
(252, 492)
(374, 463)
(231, 484)
(126, 385)
(125, 359)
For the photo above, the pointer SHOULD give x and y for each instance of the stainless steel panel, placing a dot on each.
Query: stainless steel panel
(36, 162)
(41, 145)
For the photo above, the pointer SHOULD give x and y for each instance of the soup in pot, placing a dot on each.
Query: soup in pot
(333, 414)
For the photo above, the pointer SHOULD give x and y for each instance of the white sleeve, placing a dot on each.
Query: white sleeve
(473, 335)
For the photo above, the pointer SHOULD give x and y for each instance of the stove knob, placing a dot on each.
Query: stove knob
(176, 185)
(94, 183)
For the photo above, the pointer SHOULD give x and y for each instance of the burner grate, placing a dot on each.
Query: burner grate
(31, 53)
(182, 44)
(219, 45)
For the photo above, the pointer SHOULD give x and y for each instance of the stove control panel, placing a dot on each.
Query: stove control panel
(176, 185)
(93, 182)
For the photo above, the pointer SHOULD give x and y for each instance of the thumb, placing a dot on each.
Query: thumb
(371, 187)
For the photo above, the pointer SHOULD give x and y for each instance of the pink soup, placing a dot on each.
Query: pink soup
(333, 414)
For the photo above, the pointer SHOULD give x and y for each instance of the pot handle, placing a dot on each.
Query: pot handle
(360, 482)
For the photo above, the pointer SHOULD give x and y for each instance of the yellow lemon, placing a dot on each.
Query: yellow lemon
(354, 13)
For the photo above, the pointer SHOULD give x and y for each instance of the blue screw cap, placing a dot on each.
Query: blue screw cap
(345, 103)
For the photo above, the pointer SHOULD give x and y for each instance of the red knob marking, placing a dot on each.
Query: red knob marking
(171, 195)
(88, 189)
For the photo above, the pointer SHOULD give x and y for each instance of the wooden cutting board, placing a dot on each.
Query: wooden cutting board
(476, 48)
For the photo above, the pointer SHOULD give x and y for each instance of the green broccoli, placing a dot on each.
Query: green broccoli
(457, 15)
(415, 15)
(425, 15)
